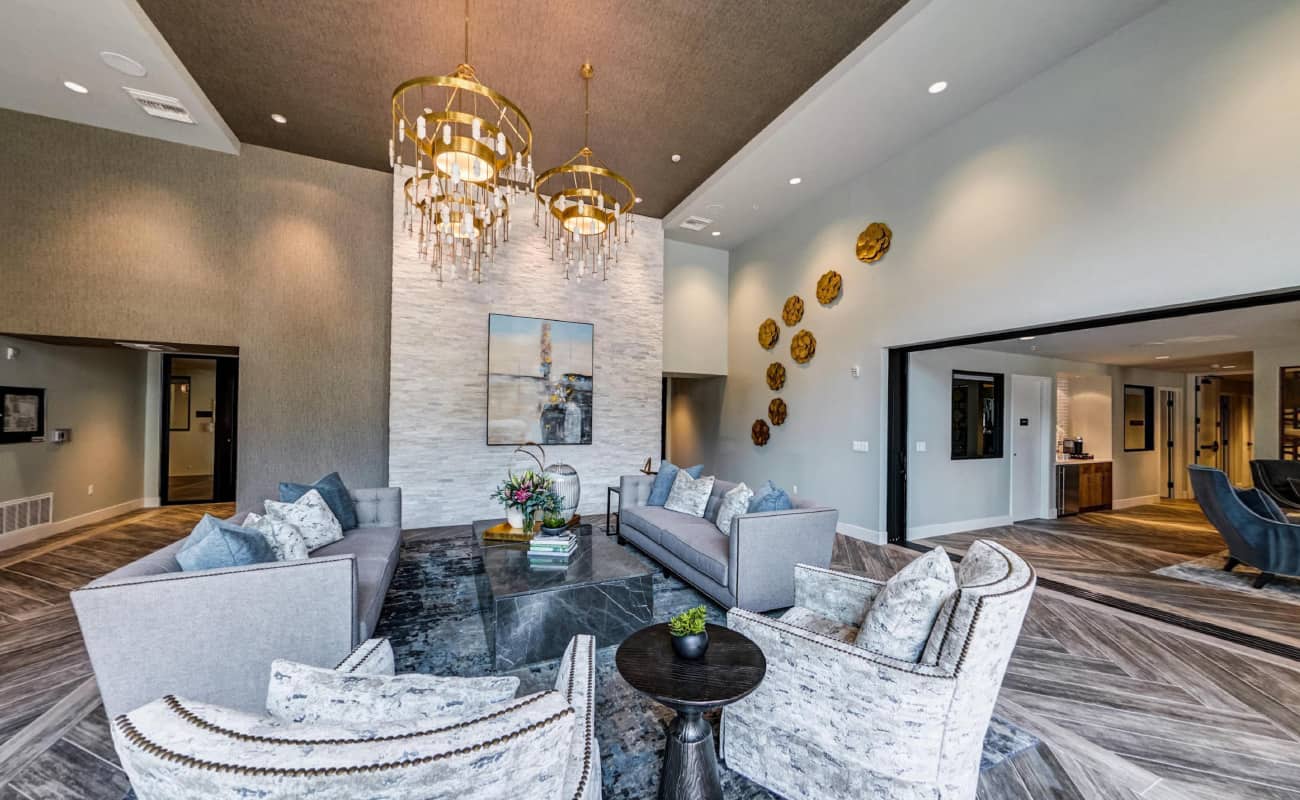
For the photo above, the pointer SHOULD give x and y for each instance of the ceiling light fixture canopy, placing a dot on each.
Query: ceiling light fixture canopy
(467, 150)
(588, 205)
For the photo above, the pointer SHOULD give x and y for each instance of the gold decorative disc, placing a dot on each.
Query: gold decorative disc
(768, 333)
(874, 242)
(793, 311)
(775, 376)
(760, 433)
(828, 287)
(776, 411)
(803, 346)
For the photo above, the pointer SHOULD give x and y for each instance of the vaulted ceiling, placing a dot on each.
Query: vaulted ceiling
(672, 76)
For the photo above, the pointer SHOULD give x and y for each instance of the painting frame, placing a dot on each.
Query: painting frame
(32, 406)
(512, 430)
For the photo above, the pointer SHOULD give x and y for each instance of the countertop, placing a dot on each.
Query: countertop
(1060, 462)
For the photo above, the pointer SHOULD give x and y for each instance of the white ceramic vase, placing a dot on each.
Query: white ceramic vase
(515, 516)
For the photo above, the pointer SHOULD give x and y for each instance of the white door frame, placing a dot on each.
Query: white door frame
(1046, 444)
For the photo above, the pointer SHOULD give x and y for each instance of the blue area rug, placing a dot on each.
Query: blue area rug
(434, 615)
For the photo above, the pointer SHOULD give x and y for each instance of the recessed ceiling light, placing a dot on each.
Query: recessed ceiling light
(796, 181)
(677, 157)
(1161, 358)
(1027, 338)
(717, 233)
(123, 64)
(1214, 366)
(938, 86)
(75, 87)
(1229, 366)
(639, 199)
(278, 118)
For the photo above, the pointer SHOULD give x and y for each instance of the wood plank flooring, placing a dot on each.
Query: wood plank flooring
(1126, 708)
(1117, 553)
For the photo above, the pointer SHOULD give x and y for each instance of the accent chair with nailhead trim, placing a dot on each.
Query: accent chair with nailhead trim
(834, 720)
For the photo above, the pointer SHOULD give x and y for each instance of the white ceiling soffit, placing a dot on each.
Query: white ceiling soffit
(1187, 344)
(876, 102)
(46, 42)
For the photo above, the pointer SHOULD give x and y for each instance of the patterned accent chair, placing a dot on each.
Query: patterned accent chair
(1256, 531)
(833, 720)
(539, 746)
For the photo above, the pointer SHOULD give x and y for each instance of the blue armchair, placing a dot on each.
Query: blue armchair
(1278, 479)
(1256, 531)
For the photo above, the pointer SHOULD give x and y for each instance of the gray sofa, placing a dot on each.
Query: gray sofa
(752, 567)
(152, 629)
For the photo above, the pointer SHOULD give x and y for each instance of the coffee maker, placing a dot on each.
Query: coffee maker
(1073, 448)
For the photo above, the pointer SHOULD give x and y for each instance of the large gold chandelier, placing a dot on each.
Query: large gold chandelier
(467, 151)
(588, 207)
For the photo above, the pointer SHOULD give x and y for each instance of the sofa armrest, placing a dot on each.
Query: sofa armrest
(834, 595)
(212, 635)
(848, 702)
(576, 680)
(371, 657)
(378, 508)
(634, 490)
(765, 547)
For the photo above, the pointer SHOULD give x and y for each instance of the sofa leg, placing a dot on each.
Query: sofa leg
(1263, 579)
(1231, 565)
(622, 542)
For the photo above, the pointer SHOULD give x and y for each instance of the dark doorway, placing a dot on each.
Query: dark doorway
(200, 403)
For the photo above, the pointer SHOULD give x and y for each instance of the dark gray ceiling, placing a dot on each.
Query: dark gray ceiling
(672, 76)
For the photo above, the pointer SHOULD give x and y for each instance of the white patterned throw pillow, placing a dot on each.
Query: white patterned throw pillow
(286, 540)
(690, 495)
(899, 620)
(311, 515)
(734, 502)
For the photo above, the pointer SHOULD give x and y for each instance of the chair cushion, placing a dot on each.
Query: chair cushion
(285, 539)
(823, 626)
(901, 616)
(304, 694)
(214, 544)
(312, 515)
(699, 544)
(734, 503)
(336, 495)
(690, 495)
(663, 484)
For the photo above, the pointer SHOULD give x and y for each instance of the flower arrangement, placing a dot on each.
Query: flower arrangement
(527, 493)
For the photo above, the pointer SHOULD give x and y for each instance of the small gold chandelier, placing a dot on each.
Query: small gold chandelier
(468, 151)
(589, 205)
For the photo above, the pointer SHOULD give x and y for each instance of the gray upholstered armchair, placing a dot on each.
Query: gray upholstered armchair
(833, 720)
(539, 746)
(1256, 531)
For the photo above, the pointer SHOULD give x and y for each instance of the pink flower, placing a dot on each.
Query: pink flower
(522, 496)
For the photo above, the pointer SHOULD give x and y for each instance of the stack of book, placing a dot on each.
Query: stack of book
(552, 551)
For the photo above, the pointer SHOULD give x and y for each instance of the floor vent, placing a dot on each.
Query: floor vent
(26, 512)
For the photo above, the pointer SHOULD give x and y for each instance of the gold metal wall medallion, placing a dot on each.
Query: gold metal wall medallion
(793, 311)
(768, 333)
(803, 346)
(828, 287)
(874, 242)
(776, 411)
(760, 433)
(775, 376)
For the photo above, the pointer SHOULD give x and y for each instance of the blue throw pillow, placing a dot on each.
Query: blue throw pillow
(214, 544)
(336, 495)
(770, 497)
(663, 484)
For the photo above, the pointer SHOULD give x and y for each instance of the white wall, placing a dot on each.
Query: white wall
(695, 309)
(1091, 411)
(1268, 364)
(438, 375)
(1092, 189)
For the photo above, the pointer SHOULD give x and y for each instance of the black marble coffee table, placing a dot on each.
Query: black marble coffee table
(604, 591)
(730, 669)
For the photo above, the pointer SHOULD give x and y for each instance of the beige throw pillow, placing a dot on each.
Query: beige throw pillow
(690, 495)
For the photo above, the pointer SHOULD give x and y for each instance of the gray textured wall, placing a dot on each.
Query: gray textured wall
(438, 453)
(99, 394)
(286, 257)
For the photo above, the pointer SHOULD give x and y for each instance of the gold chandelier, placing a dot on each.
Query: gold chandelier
(588, 205)
(467, 151)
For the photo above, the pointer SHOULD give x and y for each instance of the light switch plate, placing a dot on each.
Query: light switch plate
(920, 447)
(861, 447)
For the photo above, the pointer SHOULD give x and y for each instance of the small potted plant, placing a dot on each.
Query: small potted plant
(553, 524)
(523, 496)
(690, 638)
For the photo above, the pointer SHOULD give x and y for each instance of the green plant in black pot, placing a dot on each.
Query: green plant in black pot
(690, 637)
(553, 524)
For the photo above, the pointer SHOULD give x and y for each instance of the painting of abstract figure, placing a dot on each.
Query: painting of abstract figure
(539, 380)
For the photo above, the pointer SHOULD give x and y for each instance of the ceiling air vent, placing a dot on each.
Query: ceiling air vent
(696, 223)
(160, 105)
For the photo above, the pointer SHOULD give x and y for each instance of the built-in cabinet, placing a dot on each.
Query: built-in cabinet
(1083, 486)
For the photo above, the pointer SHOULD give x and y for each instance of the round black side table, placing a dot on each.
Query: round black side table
(732, 667)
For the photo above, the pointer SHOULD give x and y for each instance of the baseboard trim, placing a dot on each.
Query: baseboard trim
(38, 532)
(960, 526)
(859, 532)
(1130, 502)
(151, 502)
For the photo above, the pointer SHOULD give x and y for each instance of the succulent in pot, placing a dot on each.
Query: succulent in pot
(690, 637)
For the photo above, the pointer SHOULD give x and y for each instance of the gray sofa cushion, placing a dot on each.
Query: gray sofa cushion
(376, 552)
(698, 542)
(651, 520)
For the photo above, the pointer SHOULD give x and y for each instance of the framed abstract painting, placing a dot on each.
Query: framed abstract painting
(540, 380)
